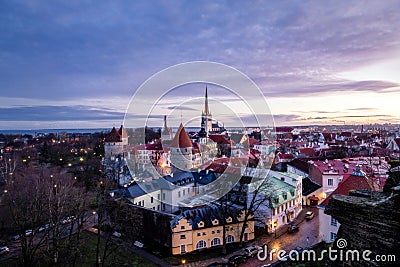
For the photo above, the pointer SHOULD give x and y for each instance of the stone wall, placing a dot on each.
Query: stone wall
(368, 224)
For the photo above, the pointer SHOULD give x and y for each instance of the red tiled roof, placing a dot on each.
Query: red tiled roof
(252, 141)
(218, 138)
(346, 134)
(122, 132)
(309, 151)
(352, 182)
(113, 136)
(284, 129)
(181, 138)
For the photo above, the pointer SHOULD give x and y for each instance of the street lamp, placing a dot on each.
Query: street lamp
(94, 216)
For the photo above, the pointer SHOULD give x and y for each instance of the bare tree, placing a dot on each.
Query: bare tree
(258, 195)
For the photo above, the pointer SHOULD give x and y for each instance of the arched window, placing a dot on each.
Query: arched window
(216, 242)
(201, 244)
(230, 239)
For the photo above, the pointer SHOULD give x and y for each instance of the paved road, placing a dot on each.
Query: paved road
(307, 235)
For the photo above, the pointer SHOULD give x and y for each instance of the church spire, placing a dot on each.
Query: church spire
(206, 109)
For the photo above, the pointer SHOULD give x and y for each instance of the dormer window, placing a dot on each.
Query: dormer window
(200, 224)
(215, 222)
(284, 194)
(229, 220)
(276, 200)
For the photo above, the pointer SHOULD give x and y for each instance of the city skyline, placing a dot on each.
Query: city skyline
(77, 65)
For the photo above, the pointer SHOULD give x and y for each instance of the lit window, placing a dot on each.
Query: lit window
(201, 244)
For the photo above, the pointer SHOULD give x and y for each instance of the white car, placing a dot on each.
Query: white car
(28, 232)
(45, 227)
(4, 250)
(309, 215)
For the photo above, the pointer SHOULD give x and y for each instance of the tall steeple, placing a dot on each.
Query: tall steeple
(206, 118)
(206, 109)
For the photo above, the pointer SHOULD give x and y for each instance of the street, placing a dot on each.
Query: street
(307, 235)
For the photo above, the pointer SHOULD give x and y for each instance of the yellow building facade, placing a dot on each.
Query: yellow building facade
(188, 236)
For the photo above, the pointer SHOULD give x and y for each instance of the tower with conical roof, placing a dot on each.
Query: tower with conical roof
(181, 151)
(124, 135)
(206, 118)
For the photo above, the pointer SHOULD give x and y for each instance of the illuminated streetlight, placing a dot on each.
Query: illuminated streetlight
(5, 191)
(94, 216)
(69, 164)
(183, 261)
(81, 159)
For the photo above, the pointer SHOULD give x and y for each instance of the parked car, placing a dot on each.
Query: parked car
(68, 219)
(236, 260)
(4, 250)
(15, 237)
(252, 251)
(28, 232)
(218, 264)
(309, 215)
(293, 228)
(117, 234)
(45, 227)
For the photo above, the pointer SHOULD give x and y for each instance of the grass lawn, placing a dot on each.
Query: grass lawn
(119, 256)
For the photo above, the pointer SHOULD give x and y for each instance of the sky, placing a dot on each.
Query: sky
(77, 64)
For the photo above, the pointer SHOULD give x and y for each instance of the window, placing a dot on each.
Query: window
(163, 196)
(215, 242)
(218, 231)
(179, 194)
(201, 244)
(184, 192)
(204, 233)
(158, 196)
(330, 181)
(333, 222)
(182, 227)
(183, 248)
(151, 200)
(183, 236)
(230, 239)
(158, 207)
(333, 236)
(212, 232)
(198, 234)
(163, 206)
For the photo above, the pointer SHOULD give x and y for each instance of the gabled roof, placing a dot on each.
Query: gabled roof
(181, 138)
(299, 164)
(353, 182)
(113, 136)
(122, 132)
(309, 186)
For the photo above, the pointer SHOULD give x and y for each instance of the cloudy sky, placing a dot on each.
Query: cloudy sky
(68, 64)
